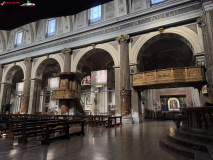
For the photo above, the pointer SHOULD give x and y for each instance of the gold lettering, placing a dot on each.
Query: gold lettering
(177, 12)
(156, 17)
(115, 29)
(152, 18)
(170, 14)
(164, 15)
(107, 31)
(160, 16)
(91, 35)
(104, 31)
(119, 27)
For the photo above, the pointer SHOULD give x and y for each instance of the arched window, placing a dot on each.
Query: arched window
(95, 14)
(86, 81)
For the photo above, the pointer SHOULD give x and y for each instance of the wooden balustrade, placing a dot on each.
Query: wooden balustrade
(169, 76)
(198, 118)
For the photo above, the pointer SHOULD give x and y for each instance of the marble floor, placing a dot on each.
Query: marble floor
(129, 142)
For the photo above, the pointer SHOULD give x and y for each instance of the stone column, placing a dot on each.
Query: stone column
(35, 90)
(26, 90)
(125, 94)
(67, 59)
(117, 94)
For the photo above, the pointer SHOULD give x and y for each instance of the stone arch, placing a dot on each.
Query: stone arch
(38, 67)
(107, 47)
(184, 34)
(10, 71)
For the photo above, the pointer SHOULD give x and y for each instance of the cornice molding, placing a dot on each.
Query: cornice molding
(207, 6)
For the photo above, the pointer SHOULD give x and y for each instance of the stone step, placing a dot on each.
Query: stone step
(197, 131)
(197, 155)
(194, 136)
(192, 144)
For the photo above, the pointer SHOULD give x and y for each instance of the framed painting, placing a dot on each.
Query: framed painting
(173, 103)
(99, 78)
(53, 84)
(19, 88)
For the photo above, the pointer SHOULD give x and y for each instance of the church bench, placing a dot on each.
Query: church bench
(66, 125)
(113, 119)
(88, 120)
(16, 128)
(38, 129)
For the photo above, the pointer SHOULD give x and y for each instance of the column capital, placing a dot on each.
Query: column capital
(66, 51)
(28, 59)
(201, 20)
(123, 38)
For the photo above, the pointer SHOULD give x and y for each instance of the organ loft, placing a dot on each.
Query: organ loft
(106, 79)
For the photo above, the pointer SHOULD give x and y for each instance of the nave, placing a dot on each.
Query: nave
(131, 141)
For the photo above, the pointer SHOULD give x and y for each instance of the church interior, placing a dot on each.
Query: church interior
(106, 80)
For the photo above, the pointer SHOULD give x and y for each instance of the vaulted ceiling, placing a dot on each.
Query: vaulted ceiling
(13, 16)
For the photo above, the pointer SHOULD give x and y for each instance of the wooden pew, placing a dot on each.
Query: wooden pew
(35, 129)
(16, 128)
(66, 125)
(110, 120)
(88, 120)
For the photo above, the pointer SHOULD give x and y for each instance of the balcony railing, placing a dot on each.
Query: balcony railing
(169, 76)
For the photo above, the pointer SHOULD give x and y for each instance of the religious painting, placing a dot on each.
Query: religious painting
(99, 78)
(204, 89)
(88, 100)
(53, 84)
(19, 88)
(173, 104)
(86, 81)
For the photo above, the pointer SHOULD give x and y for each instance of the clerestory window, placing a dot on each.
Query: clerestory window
(156, 1)
(51, 27)
(95, 14)
(18, 39)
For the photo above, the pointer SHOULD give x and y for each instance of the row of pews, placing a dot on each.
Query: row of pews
(26, 126)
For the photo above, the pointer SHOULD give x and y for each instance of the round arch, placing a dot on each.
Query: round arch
(11, 70)
(194, 40)
(56, 57)
(107, 47)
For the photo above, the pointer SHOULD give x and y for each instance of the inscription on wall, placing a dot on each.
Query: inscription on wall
(118, 26)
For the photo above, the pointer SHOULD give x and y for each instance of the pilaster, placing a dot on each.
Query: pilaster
(117, 94)
(5, 94)
(34, 95)
(135, 98)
